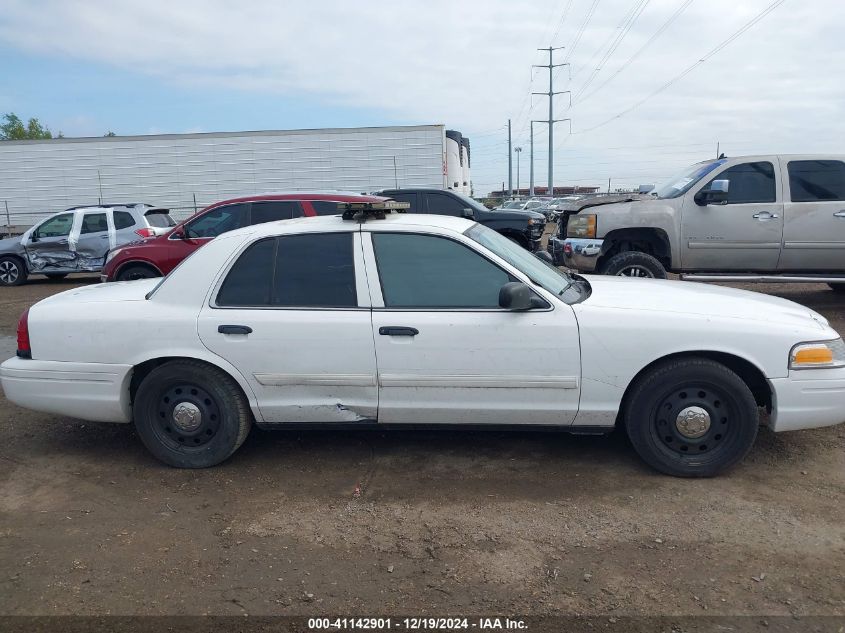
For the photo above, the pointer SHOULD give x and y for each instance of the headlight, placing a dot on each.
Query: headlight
(818, 355)
(112, 254)
(530, 221)
(581, 225)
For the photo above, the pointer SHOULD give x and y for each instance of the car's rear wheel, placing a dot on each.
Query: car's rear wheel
(691, 418)
(12, 271)
(191, 415)
(137, 271)
(55, 276)
(634, 264)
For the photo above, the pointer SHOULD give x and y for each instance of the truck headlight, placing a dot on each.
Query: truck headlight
(818, 355)
(581, 225)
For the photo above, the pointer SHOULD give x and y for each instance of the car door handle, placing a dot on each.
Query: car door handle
(839, 214)
(234, 329)
(765, 215)
(397, 330)
(62, 242)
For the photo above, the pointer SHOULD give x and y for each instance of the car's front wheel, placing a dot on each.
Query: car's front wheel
(190, 414)
(137, 271)
(12, 271)
(691, 417)
(634, 264)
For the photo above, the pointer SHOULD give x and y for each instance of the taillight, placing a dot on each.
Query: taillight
(146, 232)
(24, 351)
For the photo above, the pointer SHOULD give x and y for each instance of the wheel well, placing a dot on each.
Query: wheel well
(140, 264)
(516, 235)
(748, 372)
(17, 257)
(655, 242)
(142, 370)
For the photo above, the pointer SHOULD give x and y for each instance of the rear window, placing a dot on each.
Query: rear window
(159, 218)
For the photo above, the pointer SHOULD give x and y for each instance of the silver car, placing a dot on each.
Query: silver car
(77, 240)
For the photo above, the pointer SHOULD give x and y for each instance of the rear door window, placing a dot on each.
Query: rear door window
(816, 180)
(94, 223)
(272, 210)
(324, 207)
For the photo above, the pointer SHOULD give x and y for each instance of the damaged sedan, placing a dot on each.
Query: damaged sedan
(384, 319)
(77, 240)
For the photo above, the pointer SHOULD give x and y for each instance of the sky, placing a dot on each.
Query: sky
(655, 84)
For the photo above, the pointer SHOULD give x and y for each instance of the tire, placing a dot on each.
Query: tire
(189, 441)
(55, 276)
(634, 264)
(137, 271)
(665, 439)
(12, 271)
(837, 287)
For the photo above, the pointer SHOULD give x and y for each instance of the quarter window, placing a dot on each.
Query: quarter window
(816, 180)
(58, 226)
(272, 210)
(425, 271)
(307, 271)
(94, 223)
(749, 183)
(123, 220)
(217, 221)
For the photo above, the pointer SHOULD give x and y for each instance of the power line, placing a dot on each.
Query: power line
(774, 5)
(634, 57)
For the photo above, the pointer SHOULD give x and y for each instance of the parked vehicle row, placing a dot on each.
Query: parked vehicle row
(755, 218)
(404, 319)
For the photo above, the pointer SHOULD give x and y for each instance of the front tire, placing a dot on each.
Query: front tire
(12, 271)
(137, 271)
(634, 264)
(191, 415)
(691, 418)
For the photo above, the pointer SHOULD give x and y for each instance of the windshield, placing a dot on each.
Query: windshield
(542, 274)
(679, 184)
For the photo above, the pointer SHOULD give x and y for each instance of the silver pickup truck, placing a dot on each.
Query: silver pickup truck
(751, 218)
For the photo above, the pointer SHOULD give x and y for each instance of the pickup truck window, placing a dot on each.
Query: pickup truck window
(816, 180)
(426, 271)
(441, 204)
(750, 183)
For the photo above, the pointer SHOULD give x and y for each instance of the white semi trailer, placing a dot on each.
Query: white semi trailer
(184, 172)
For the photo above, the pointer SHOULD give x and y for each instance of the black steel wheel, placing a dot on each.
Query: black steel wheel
(12, 271)
(137, 271)
(634, 264)
(191, 415)
(691, 418)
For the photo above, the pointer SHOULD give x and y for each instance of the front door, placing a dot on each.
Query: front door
(814, 216)
(48, 245)
(744, 234)
(292, 314)
(448, 354)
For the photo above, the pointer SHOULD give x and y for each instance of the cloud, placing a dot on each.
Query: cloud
(468, 64)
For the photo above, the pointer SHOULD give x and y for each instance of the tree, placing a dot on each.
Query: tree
(13, 129)
(109, 133)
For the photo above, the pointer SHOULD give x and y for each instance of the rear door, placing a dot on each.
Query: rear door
(292, 314)
(744, 234)
(814, 216)
(93, 241)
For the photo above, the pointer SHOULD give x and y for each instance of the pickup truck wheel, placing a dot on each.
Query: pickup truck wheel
(837, 287)
(691, 418)
(137, 272)
(12, 271)
(634, 264)
(190, 415)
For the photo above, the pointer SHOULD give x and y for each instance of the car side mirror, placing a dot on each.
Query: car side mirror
(645, 189)
(717, 193)
(33, 237)
(467, 213)
(544, 255)
(516, 296)
(179, 234)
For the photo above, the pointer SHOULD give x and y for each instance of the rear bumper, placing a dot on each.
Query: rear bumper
(581, 254)
(89, 391)
(808, 399)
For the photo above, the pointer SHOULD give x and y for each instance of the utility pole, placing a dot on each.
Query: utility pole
(531, 163)
(551, 120)
(717, 149)
(518, 151)
(608, 185)
(510, 162)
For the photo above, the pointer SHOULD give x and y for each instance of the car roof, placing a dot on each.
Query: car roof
(336, 196)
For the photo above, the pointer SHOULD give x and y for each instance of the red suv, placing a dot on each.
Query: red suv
(157, 256)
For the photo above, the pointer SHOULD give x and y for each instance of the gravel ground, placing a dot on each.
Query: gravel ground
(445, 522)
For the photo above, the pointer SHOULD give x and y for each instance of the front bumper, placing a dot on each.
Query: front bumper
(808, 399)
(581, 254)
(89, 391)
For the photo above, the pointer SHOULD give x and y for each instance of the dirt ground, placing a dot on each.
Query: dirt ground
(446, 522)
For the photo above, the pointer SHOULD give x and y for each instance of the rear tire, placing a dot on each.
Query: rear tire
(137, 271)
(191, 415)
(691, 418)
(12, 271)
(634, 264)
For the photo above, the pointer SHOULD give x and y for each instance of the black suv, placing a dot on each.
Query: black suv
(523, 227)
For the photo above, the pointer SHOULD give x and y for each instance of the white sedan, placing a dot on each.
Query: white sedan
(423, 320)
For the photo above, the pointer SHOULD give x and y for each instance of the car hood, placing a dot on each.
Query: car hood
(698, 299)
(105, 292)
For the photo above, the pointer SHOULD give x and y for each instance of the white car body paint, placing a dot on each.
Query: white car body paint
(564, 365)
